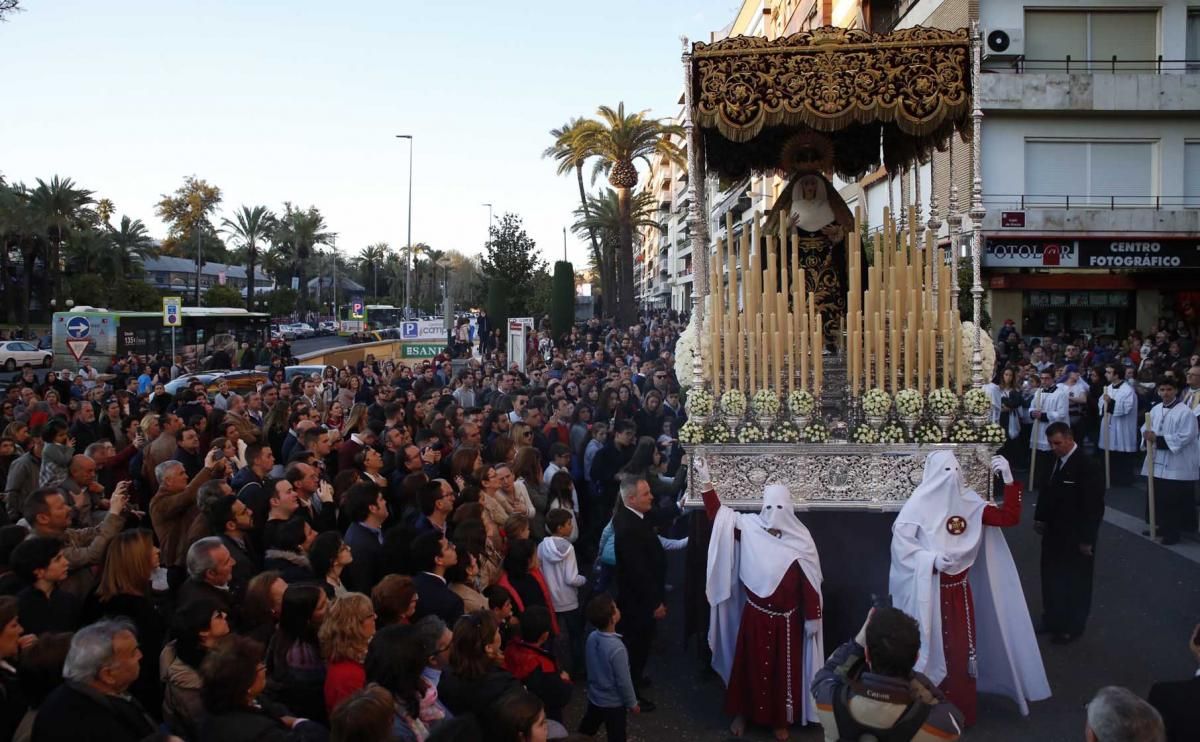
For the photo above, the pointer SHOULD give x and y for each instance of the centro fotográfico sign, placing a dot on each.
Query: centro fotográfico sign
(1128, 252)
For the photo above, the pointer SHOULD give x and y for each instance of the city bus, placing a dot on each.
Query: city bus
(374, 317)
(100, 336)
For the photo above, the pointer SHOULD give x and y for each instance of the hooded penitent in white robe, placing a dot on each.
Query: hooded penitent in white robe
(1123, 418)
(1009, 662)
(759, 560)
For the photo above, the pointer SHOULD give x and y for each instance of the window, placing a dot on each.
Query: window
(1091, 39)
(1193, 39)
(1191, 174)
(1096, 173)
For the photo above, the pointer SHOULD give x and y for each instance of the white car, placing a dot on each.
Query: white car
(305, 330)
(16, 353)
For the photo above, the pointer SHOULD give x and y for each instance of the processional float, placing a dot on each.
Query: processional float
(824, 358)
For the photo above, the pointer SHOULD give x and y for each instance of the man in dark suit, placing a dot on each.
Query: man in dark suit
(431, 556)
(367, 507)
(1069, 510)
(1179, 701)
(641, 577)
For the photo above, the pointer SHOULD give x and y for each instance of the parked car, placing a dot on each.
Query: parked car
(16, 353)
(305, 330)
(290, 372)
(327, 327)
(242, 382)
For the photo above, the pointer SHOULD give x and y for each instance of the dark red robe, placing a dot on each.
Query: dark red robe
(765, 684)
(958, 613)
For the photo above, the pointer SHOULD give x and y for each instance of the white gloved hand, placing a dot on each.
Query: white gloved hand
(811, 626)
(941, 563)
(1001, 466)
(703, 476)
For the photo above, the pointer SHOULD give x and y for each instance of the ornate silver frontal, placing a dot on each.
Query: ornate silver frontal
(834, 476)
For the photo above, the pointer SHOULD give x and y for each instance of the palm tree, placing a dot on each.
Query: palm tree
(134, 245)
(252, 225)
(58, 206)
(572, 150)
(371, 257)
(299, 233)
(619, 140)
(602, 217)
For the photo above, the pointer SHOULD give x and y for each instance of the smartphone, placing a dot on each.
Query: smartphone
(884, 601)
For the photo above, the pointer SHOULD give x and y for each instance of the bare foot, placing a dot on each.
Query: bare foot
(738, 727)
(781, 734)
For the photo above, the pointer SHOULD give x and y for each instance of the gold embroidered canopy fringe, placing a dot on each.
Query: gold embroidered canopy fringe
(909, 90)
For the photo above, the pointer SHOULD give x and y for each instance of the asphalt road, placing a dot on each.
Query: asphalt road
(1146, 604)
(308, 345)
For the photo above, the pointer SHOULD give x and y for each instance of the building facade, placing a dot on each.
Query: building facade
(663, 265)
(179, 274)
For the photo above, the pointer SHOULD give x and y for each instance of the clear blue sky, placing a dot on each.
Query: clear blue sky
(275, 100)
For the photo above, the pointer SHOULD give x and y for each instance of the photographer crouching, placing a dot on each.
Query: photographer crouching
(868, 690)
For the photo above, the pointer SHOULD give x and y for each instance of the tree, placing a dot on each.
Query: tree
(251, 227)
(58, 209)
(134, 245)
(603, 216)
(299, 232)
(571, 149)
(562, 299)
(8, 7)
(467, 285)
(541, 293)
(190, 232)
(139, 296)
(369, 261)
(282, 301)
(223, 296)
(620, 140)
(511, 254)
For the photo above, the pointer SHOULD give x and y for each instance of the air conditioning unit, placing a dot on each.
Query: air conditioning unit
(1004, 43)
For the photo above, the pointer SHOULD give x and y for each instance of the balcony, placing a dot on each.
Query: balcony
(1092, 213)
(1103, 86)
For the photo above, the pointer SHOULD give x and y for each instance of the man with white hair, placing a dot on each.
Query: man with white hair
(979, 629)
(210, 572)
(173, 509)
(1116, 715)
(765, 633)
(641, 577)
(94, 702)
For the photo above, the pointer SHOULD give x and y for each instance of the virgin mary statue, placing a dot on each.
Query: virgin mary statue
(817, 221)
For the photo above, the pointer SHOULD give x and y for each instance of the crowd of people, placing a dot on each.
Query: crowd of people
(376, 550)
(451, 550)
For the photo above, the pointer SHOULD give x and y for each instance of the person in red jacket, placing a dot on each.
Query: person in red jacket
(528, 660)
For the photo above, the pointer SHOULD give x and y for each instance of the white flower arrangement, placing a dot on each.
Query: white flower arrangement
(716, 433)
(750, 433)
(909, 403)
(816, 432)
(928, 432)
(963, 432)
(976, 402)
(785, 432)
(993, 434)
(801, 402)
(686, 348)
(691, 433)
(891, 433)
(876, 402)
(863, 434)
(942, 402)
(766, 402)
(699, 402)
(733, 402)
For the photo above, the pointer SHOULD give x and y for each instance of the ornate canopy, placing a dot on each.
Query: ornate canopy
(907, 91)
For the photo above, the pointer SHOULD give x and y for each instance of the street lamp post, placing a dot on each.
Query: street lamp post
(408, 268)
(445, 264)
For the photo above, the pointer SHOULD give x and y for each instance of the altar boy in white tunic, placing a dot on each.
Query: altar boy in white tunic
(1120, 401)
(1171, 440)
(1049, 405)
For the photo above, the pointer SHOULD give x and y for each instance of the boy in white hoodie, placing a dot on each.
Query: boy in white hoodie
(557, 558)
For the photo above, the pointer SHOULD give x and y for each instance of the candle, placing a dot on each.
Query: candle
(727, 355)
(764, 348)
(715, 344)
(921, 361)
(803, 355)
(740, 312)
(894, 343)
(742, 352)
(879, 350)
(775, 319)
(909, 349)
(791, 385)
(751, 353)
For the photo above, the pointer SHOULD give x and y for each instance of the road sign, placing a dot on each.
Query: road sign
(78, 347)
(356, 310)
(172, 317)
(79, 327)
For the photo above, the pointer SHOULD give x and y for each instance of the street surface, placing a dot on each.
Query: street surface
(1146, 604)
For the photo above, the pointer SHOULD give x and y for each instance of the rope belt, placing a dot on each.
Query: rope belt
(960, 581)
(788, 639)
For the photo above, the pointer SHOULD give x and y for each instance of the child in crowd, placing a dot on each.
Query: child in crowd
(559, 567)
(610, 687)
(530, 662)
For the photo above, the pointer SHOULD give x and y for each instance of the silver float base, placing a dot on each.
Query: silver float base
(830, 476)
